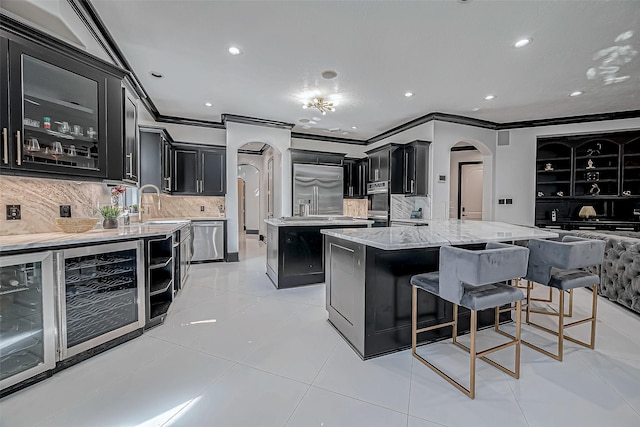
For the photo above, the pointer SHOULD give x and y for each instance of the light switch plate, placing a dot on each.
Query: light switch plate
(501, 201)
(509, 201)
(14, 212)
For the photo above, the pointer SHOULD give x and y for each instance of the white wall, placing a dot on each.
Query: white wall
(516, 166)
(236, 136)
(456, 158)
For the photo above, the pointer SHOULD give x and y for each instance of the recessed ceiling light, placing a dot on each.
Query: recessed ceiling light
(576, 93)
(156, 74)
(408, 94)
(489, 97)
(329, 74)
(354, 127)
(522, 42)
(475, 109)
(208, 104)
(304, 120)
(234, 51)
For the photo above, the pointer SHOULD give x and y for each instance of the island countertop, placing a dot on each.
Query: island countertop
(439, 233)
(97, 236)
(312, 221)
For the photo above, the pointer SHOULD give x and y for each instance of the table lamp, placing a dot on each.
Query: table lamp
(587, 212)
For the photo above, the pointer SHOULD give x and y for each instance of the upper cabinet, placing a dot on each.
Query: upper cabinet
(410, 169)
(355, 178)
(130, 137)
(316, 157)
(154, 146)
(199, 170)
(380, 163)
(64, 116)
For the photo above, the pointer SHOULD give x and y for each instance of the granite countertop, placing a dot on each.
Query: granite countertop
(316, 221)
(439, 233)
(51, 240)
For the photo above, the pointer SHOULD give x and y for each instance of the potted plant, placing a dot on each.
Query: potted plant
(110, 215)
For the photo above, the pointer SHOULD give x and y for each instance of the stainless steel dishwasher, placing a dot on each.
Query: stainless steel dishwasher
(208, 240)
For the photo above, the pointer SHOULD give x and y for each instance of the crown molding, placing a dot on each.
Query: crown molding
(325, 138)
(617, 115)
(255, 121)
(188, 122)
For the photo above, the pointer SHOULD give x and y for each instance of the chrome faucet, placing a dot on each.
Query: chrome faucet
(140, 191)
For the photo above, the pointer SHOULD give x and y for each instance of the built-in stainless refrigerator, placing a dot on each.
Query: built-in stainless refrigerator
(319, 187)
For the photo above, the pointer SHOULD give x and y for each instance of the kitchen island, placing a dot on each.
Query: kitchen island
(295, 255)
(368, 273)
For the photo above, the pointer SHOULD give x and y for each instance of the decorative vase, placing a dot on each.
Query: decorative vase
(115, 200)
(110, 223)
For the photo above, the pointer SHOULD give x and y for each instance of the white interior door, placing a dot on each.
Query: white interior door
(471, 191)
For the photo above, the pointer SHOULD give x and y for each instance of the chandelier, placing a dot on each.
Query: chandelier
(321, 104)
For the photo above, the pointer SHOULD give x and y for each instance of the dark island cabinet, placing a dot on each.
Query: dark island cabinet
(62, 113)
(199, 170)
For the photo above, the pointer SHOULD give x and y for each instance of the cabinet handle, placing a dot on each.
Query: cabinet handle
(406, 171)
(412, 186)
(18, 149)
(130, 157)
(5, 147)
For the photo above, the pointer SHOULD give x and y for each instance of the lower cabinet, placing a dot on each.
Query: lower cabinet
(160, 277)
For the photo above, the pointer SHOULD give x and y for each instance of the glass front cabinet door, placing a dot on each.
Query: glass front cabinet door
(58, 113)
(27, 320)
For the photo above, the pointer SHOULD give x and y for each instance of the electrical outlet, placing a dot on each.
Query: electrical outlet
(201, 208)
(509, 201)
(65, 211)
(13, 212)
(501, 201)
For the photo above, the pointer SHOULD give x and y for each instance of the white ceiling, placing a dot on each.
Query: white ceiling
(451, 54)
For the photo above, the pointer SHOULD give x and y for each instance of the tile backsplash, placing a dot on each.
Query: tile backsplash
(355, 207)
(402, 206)
(40, 201)
(182, 206)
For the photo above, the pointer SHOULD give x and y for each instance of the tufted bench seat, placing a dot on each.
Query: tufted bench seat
(620, 272)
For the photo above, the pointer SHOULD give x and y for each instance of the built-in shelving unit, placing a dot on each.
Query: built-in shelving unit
(599, 170)
(160, 270)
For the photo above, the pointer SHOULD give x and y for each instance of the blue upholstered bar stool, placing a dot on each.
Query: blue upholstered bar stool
(471, 279)
(558, 265)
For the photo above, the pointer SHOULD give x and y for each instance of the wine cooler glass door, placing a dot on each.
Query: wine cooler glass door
(27, 322)
(100, 295)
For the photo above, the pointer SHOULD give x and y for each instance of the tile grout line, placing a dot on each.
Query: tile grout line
(410, 383)
(309, 388)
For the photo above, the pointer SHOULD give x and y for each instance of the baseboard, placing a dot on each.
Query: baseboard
(233, 257)
(252, 231)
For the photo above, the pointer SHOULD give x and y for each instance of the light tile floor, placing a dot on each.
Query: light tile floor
(237, 352)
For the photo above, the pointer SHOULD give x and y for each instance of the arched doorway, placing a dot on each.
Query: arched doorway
(469, 197)
(258, 164)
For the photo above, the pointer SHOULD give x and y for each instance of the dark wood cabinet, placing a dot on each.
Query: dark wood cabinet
(167, 164)
(355, 178)
(598, 170)
(152, 146)
(379, 163)
(316, 157)
(410, 172)
(186, 174)
(131, 139)
(199, 170)
(62, 114)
